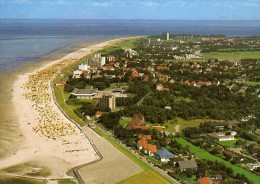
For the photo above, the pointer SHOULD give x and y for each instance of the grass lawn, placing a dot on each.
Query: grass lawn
(206, 155)
(173, 124)
(66, 182)
(125, 121)
(252, 83)
(153, 160)
(233, 56)
(66, 95)
(152, 173)
(14, 180)
(144, 177)
(126, 43)
(229, 144)
(88, 87)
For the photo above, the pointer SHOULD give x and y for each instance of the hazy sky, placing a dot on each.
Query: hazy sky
(131, 9)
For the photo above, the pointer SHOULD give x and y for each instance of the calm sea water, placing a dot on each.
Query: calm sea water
(33, 40)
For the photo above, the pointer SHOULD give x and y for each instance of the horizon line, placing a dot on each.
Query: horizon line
(131, 19)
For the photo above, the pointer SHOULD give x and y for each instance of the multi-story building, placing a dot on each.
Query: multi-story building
(107, 101)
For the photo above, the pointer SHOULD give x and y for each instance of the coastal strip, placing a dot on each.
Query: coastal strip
(52, 143)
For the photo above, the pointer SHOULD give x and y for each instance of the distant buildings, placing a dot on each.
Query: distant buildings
(107, 101)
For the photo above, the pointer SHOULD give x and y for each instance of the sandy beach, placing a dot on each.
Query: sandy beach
(48, 143)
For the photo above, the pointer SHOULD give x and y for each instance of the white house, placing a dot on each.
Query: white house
(77, 73)
(222, 136)
(83, 67)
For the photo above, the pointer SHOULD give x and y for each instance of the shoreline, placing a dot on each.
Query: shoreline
(36, 149)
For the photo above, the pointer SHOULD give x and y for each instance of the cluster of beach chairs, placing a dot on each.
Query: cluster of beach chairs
(39, 92)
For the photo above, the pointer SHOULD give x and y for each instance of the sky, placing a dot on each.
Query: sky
(131, 9)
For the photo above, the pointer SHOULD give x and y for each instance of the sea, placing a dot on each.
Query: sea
(23, 41)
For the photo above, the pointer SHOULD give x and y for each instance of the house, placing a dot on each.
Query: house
(151, 149)
(142, 144)
(93, 68)
(162, 67)
(216, 178)
(108, 67)
(187, 164)
(163, 155)
(160, 87)
(205, 180)
(136, 122)
(84, 93)
(175, 160)
(221, 136)
(148, 149)
(252, 167)
(77, 74)
(147, 137)
(83, 67)
(99, 113)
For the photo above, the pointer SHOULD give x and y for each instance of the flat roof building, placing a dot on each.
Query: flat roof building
(107, 101)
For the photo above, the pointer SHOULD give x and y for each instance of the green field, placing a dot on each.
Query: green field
(66, 182)
(206, 155)
(153, 175)
(126, 43)
(229, 144)
(144, 177)
(232, 56)
(171, 125)
(17, 180)
(125, 121)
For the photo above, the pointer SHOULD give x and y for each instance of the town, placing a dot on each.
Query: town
(187, 104)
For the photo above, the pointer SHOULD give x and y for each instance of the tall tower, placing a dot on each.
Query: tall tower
(102, 61)
(167, 36)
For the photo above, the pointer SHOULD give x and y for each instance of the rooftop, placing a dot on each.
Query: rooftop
(187, 164)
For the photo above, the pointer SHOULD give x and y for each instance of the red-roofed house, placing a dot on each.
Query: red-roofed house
(146, 78)
(135, 73)
(147, 137)
(204, 181)
(93, 68)
(160, 87)
(151, 149)
(109, 67)
(142, 144)
(162, 67)
(99, 113)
